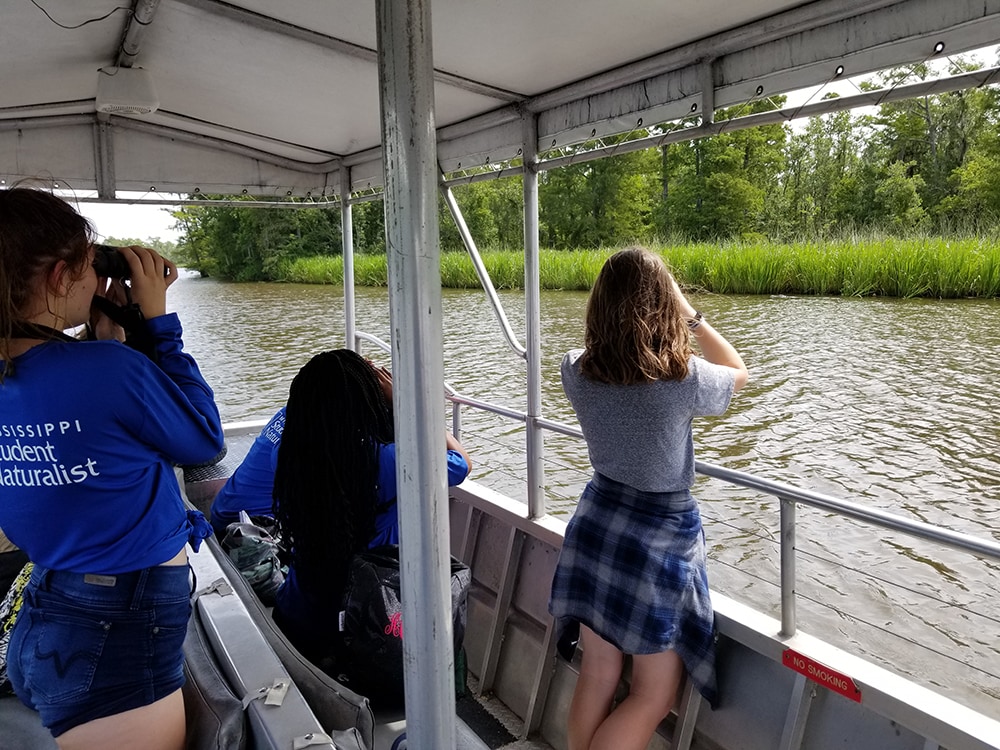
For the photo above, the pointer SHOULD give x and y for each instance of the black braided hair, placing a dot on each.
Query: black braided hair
(324, 484)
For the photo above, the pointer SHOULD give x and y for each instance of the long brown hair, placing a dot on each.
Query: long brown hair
(37, 230)
(635, 332)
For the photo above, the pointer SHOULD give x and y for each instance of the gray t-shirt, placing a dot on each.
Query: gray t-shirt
(640, 434)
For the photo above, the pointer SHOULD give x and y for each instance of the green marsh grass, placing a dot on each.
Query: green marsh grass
(850, 267)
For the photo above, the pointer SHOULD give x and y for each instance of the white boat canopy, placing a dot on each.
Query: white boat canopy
(282, 99)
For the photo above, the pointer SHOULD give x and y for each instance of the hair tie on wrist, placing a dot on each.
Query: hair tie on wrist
(696, 321)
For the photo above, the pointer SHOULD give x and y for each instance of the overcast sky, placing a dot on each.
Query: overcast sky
(139, 222)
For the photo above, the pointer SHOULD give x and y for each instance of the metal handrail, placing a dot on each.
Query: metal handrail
(874, 516)
(789, 496)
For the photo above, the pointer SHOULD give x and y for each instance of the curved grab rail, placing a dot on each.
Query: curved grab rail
(483, 274)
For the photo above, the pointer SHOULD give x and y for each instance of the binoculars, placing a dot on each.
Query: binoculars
(110, 263)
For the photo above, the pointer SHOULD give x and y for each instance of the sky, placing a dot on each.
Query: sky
(139, 222)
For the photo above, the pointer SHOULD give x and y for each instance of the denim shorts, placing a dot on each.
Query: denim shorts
(89, 646)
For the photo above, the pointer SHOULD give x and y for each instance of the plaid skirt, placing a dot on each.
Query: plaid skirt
(632, 569)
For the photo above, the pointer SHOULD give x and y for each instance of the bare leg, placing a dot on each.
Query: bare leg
(158, 726)
(600, 673)
(655, 679)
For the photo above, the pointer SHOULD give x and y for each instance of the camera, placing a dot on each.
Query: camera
(110, 263)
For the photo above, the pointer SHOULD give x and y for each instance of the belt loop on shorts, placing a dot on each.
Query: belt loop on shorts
(140, 589)
(42, 576)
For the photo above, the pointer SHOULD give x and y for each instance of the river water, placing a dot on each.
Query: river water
(888, 403)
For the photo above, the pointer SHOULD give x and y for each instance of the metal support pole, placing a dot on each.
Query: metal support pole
(707, 93)
(532, 315)
(406, 77)
(135, 30)
(104, 150)
(347, 245)
(788, 624)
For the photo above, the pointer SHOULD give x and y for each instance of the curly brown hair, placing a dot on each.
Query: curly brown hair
(635, 332)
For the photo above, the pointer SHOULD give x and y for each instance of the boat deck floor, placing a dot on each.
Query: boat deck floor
(493, 722)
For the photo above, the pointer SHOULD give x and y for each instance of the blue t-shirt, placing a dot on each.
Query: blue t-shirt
(89, 433)
(251, 485)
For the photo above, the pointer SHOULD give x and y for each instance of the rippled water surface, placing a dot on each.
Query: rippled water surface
(888, 403)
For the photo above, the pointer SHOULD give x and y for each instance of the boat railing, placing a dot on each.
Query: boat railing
(788, 495)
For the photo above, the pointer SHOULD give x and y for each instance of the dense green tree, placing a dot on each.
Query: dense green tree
(609, 201)
(164, 247)
(931, 163)
(193, 247)
(823, 185)
(716, 187)
(250, 243)
(493, 212)
(933, 134)
(368, 221)
(975, 205)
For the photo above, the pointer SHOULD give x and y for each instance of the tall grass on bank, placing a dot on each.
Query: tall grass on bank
(860, 267)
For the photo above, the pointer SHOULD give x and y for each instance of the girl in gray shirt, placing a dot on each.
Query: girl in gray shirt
(632, 568)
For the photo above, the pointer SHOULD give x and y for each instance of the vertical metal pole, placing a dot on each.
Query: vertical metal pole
(532, 315)
(707, 76)
(410, 163)
(788, 624)
(347, 244)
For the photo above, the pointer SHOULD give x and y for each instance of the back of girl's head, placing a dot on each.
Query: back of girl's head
(634, 330)
(37, 230)
(325, 481)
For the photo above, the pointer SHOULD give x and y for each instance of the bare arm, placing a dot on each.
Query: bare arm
(385, 381)
(453, 445)
(713, 344)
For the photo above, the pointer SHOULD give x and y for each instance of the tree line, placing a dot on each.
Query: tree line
(925, 166)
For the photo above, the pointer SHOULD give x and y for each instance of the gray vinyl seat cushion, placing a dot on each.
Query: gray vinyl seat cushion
(21, 728)
(336, 706)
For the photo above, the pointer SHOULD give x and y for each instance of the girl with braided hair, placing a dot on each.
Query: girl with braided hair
(335, 489)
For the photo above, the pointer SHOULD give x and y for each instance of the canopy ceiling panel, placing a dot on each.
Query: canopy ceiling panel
(43, 63)
(173, 166)
(208, 67)
(274, 99)
(27, 152)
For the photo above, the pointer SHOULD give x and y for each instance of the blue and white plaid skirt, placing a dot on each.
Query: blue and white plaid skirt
(632, 569)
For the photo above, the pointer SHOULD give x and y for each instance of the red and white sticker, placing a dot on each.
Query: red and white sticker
(836, 681)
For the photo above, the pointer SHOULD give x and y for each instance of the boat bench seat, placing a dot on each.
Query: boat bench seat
(336, 706)
(21, 728)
